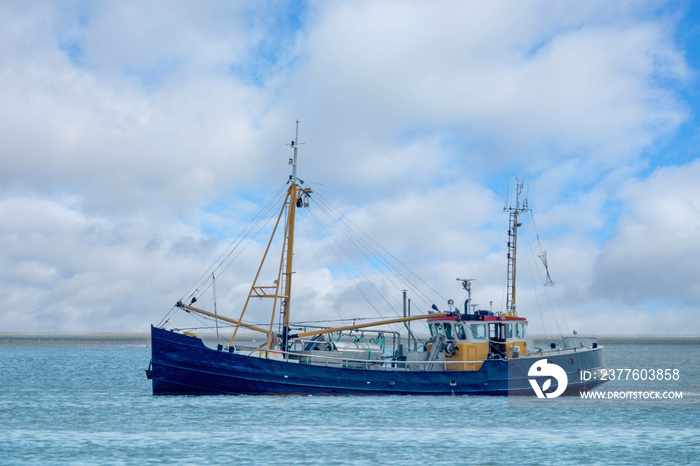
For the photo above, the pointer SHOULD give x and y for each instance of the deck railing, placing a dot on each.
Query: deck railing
(330, 360)
(351, 363)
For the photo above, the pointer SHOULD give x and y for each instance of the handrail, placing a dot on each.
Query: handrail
(559, 350)
(379, 364)
(385, 364)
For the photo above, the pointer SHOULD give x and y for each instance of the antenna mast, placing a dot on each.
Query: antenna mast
(294, 196)
(293, 162)
(513, 244)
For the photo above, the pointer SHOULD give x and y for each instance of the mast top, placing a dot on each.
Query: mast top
(293, 161)
(519, 207)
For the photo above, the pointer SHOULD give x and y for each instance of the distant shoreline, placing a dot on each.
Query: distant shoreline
(74, 339)
(144, 339)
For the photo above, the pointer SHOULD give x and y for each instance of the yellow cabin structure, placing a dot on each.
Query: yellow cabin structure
(469, 342)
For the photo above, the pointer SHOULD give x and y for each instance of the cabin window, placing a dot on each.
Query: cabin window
(438, 329)
(459, 331)
(478, 331)
(448, 331)
(519, 331)
(432, 330)
(509, 331)
(497, 332)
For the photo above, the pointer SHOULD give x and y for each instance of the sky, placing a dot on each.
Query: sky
(139, 138)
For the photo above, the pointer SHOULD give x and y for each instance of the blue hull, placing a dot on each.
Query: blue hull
(183, 365)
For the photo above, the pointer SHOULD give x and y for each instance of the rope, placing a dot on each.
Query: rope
(313, 250)
(427, 300)
(360, 252)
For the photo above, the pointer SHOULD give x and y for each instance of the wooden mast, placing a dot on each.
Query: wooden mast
(286, 261)
(294, 198)
(261, 291)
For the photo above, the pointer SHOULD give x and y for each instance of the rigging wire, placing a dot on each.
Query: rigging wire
(374, 258)
(313, 250)
(554, 313)
(224, 256)
(371, 261)
(339, 214)
(227, 252)
(561, 311)
(369, 250)
(534, 287)
(267, 221)
(364, 244)
(344, 268)
(549, 280)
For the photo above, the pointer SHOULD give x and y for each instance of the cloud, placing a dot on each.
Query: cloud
(90, 127)
(65, 271)
(651, 256)
(514, 80)
(137, 139)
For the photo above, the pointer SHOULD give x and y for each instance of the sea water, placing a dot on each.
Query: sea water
(93, 405)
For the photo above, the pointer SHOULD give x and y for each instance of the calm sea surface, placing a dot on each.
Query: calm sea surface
(93, 405)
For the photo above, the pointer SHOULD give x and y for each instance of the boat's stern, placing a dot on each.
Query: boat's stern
(556, 371)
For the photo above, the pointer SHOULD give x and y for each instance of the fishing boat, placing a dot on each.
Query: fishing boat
(468, 352)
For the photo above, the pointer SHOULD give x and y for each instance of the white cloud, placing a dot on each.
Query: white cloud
(136, 138)
(652, 255)
(516, 79)
(65, 271)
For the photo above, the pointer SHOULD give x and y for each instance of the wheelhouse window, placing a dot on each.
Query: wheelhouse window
(519, 331)
(438, 329)
(509, 331)
(459, 332)
(478, 331)
(448, 331)
(492, 331)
